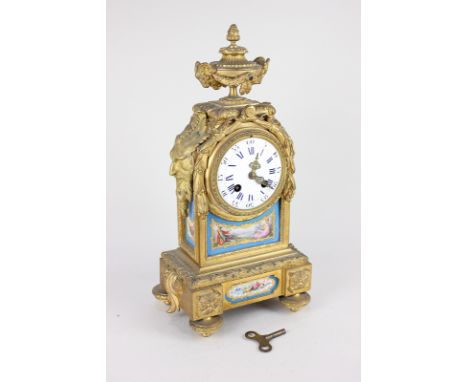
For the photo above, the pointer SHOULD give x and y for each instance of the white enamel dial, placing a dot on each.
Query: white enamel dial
(249, 173)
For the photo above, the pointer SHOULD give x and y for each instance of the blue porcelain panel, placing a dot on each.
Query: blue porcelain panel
(226, 235)
(252, 289)
(190, 226)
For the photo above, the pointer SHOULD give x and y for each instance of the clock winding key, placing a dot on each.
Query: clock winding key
(264, 340)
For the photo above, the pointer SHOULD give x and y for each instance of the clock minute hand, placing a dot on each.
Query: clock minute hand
(255, 165)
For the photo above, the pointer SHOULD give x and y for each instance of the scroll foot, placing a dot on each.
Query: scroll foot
(161, 294)
(295, 302)
(207, 326)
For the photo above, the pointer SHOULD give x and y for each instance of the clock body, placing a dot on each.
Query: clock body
(234, 170)
(239, 205)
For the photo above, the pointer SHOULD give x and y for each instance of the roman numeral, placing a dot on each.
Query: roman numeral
(240, 196)
(231, 188)
(250, 198)
(240, 155)
(269, 159)
(230, 177)
(275, 170)
(251, 150)
(232, 165)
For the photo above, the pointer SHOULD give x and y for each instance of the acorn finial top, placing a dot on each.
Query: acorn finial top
(233, 34)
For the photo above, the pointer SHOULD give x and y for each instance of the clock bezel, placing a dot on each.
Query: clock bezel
(217, 203)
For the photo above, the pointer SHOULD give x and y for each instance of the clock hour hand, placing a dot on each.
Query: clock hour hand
(262, 181)
(255, 165)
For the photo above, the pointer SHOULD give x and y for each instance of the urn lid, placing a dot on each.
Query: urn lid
(233, 69)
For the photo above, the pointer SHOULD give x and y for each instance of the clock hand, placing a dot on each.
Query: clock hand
(262, 181)
(255, 165)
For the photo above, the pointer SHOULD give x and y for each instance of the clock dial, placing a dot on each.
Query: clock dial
(249, 173)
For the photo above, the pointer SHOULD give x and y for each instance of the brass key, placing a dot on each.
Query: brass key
(264, 340)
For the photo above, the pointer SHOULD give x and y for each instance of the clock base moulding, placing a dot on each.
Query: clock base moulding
(205, 296)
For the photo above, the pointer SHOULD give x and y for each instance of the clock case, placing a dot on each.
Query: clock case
(203, 285)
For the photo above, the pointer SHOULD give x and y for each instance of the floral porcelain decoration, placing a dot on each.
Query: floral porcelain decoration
(252, 289)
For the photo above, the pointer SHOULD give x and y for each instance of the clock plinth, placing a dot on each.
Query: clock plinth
(234, 171)
(285, 273)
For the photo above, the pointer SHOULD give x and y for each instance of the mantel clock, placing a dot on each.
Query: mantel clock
(234, 169)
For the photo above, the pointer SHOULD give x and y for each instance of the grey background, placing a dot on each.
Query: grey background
(314, 83)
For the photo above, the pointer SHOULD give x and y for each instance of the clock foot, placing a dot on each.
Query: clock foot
(295, 302)
(207, 326)
(161, 294)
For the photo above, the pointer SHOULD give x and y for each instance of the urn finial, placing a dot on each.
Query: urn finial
(233, 70)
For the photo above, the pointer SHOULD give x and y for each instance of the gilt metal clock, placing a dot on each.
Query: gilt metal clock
(234, 169)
